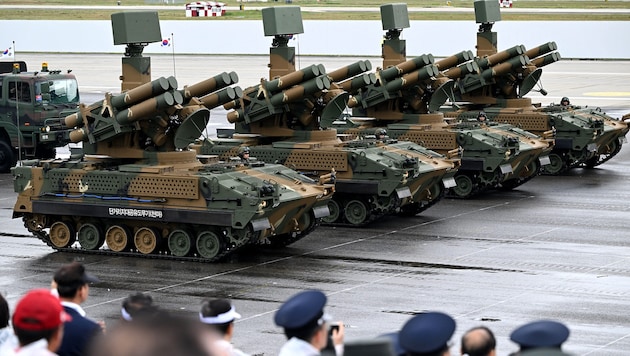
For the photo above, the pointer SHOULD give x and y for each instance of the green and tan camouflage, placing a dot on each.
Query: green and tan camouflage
(404, 100)
(279, 120)
(32, 104)
(584, 137)
(137, 189)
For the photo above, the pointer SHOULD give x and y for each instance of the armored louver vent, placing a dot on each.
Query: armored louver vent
(112, 184)
(433, 140)
(167, 187)
(525, 122)
(314, 160)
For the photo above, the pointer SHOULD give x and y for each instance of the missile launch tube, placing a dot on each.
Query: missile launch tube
(141, 93)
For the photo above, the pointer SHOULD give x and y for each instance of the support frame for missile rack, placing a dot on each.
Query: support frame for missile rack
(140, 189)
(279, 121)
(405, 100)
(584, 137)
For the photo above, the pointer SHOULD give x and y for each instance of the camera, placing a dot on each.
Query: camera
(333, 327)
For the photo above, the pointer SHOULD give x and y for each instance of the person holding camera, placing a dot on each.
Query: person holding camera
(307, 327)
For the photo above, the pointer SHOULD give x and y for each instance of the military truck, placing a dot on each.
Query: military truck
(138, 190)
(584, 137)
(279, 120)
(31, 103)
(405, 98)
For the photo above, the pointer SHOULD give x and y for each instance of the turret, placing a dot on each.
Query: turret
(148, 116)
(292, 100)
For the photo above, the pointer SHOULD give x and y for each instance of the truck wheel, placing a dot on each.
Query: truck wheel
(7, 157)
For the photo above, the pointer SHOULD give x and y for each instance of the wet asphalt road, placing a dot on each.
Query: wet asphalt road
(556, 248)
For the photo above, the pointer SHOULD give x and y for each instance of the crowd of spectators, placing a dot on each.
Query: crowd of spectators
(48, 322)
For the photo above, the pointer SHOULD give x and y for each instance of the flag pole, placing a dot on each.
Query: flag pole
(173, 53)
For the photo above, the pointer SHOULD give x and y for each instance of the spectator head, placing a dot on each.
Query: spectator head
(39, 315)
(427, 334)
(302, 316)
(4, 312)
(162, 334)
(72, 277)
(540, 334)
(219, 314)
(137, 305)
(478, 341)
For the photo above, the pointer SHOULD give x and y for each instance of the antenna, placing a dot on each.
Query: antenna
(173, 53)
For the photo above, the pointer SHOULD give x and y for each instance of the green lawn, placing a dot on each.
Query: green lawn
(74, 14)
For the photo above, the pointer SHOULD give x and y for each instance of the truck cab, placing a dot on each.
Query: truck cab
(32, 106)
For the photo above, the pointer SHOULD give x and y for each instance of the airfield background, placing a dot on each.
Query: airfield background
(575, 39)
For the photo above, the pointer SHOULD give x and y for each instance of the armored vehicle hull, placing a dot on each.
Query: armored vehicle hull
(491, 157)
(174, 207)
(583, 137)
(372, 179)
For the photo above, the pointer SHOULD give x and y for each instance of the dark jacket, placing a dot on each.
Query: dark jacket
(77, 334)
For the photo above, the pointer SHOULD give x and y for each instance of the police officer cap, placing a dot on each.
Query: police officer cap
(426, 333)
(301, 309)
(543, 333)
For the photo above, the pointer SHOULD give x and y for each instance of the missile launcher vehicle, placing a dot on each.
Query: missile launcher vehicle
(139, 190)
(279, 121)
(584, 137)
(405, 99)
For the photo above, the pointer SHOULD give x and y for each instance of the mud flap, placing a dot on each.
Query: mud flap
(321, 211)
(261, 224)
(544, 160)
(404, 192)
(449, 182)
(506, 168)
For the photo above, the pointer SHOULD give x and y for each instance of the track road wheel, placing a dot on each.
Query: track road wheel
(146, 240)
(91, 236)
(179, 243)
(7, 157)
(465, 186)
(210, 245)
(62, 234)
(117, 238)
(356, 212)
(335, 211)
(556, 166)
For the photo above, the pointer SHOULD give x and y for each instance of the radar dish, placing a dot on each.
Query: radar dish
(440, 95)
(192, 128)
(529, 82)
(335, 108)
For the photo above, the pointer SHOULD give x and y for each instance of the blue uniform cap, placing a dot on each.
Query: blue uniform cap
(427, 332)
(543, 333)
(301, 309)
(395, 342)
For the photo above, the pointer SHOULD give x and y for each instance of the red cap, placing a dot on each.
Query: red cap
(39, 310)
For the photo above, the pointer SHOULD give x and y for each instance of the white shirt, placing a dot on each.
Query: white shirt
(298, 347)
(74, 306)
(37, 348)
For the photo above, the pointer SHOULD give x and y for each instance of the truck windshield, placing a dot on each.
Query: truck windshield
(63, 91)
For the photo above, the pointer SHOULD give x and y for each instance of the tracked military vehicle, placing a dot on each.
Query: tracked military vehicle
(279, 120)
(30, 103)
(138, 188)
(405, 100)
(584, 137)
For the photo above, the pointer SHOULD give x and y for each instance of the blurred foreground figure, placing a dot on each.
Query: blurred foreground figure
(219, 315)
(157, 335)
(38, 323)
